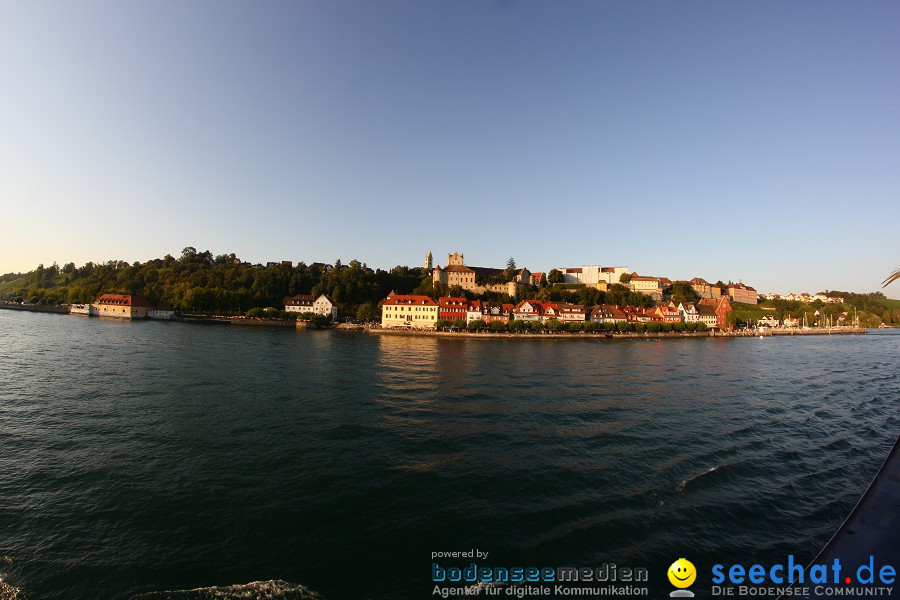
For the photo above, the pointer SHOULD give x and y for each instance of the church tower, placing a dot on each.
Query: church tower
(428, 261)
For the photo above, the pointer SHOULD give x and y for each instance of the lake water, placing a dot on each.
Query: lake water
(147, 456)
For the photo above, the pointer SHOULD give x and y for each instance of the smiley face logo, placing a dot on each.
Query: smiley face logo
(682, 573)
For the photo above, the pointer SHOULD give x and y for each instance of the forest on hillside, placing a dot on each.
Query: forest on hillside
(200, 282)
(207, 283)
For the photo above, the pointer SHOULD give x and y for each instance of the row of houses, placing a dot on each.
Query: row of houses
(122, 306)
(475, 279)
(422, 312)
(805, 298)
(655, 287)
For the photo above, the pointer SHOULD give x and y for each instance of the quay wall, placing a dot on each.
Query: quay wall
(60, 310)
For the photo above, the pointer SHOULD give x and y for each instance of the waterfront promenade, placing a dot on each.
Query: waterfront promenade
(615, 335)
(285, 323)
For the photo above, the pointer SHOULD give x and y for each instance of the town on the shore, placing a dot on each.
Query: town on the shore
(518, 300)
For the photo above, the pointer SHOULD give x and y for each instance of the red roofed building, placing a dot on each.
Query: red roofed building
(653, 315)
(608, 313)
(420, 312)
(720, 307)
(738, 292)
(121, 306)
(529, 310)
(451, 309)
(668, 314)
(570, 312)
(636, 315)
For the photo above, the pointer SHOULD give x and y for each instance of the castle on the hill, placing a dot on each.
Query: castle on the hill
(477, 280)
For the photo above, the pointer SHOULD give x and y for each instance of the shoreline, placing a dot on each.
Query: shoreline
(287, 324)
(608, 335)
(39, 308)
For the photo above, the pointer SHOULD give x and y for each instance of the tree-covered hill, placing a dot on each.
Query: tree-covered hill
(200, 281)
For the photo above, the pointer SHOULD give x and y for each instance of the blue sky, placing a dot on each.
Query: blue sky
(728, 140)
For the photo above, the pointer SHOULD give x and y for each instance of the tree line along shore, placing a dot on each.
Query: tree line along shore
(200, 283)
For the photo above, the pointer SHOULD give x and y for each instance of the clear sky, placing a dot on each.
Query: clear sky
(728, 140)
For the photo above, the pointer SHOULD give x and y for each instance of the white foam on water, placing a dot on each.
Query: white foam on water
(257, 590)
(680, 487)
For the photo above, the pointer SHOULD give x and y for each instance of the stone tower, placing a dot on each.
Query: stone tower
(428, 261)
(455, 259)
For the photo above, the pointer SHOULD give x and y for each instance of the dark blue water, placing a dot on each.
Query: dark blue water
(147, 456)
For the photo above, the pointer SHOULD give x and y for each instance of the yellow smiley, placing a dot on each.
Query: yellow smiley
(682, 573)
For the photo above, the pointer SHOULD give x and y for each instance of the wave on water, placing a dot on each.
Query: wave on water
(680, 487)
(257, 590)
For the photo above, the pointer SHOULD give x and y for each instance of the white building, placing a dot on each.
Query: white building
(304, 303)
(649, 286)
(689, 313)
(161, 312)
(767, 321)
(80, 309)
(473, 311)
(592, 274)
(528, 310)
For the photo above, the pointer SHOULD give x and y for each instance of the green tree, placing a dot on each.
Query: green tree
(458, 292)
(682, 292)
(366, 313)
(555, 276)
(477, 325)
(733, 320)
(625, 278)
(517, 325)
(554, 325)
(510, 273)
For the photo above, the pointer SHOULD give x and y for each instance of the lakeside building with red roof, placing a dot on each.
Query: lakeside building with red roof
(608, 313)
(122, 306)
(709, 308)
(409, 311)
(451, 308)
